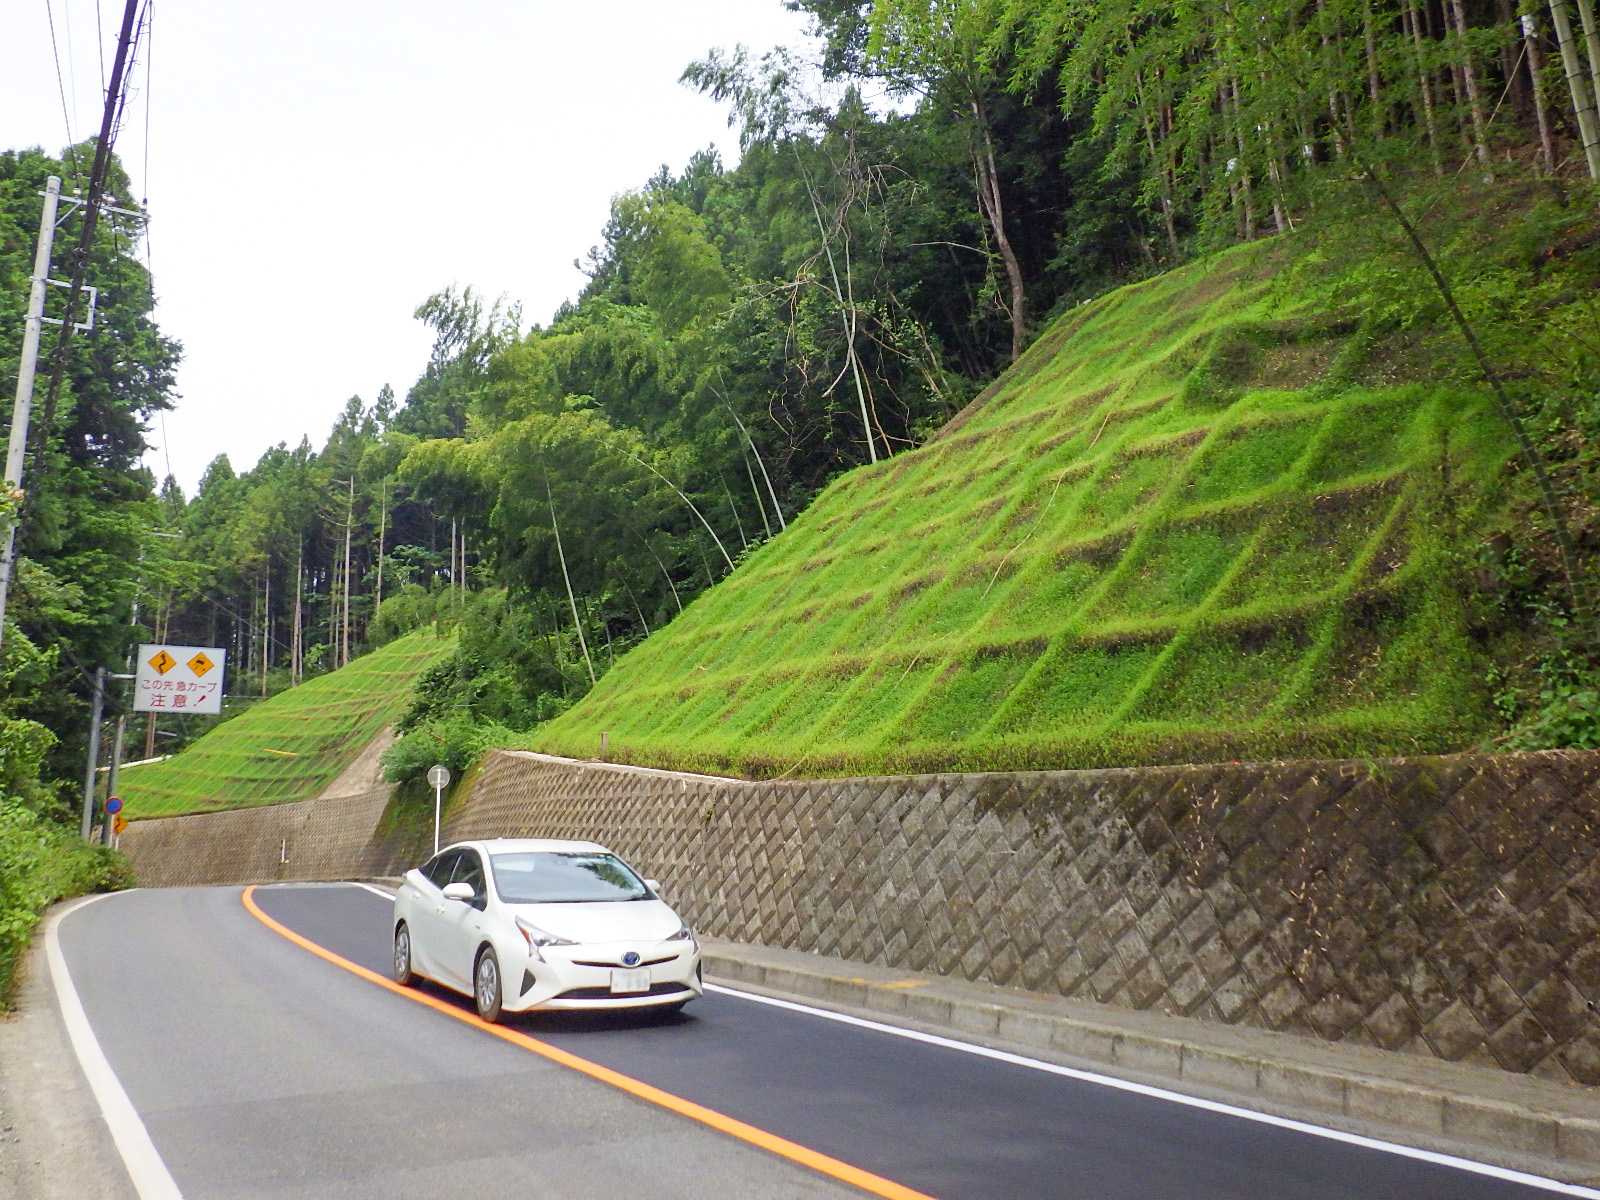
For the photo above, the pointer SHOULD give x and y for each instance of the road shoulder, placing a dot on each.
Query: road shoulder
(54, 1144)
(1484, 1115)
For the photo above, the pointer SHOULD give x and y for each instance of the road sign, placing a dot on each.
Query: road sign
(179, 679)
(114, 805)
(118, 824)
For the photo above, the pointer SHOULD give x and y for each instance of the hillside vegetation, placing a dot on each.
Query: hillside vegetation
(291, 746)
(1191, 523)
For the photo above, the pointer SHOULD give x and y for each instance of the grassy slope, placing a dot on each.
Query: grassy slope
(291, 746)
(1190, 524)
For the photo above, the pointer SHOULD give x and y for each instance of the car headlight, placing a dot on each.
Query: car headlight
(684, 934)
(536, 937)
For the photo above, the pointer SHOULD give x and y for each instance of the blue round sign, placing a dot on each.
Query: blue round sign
(114, 805)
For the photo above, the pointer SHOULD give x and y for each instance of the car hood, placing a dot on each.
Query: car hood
(617, 921)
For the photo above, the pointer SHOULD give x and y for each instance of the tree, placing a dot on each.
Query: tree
(942, 50)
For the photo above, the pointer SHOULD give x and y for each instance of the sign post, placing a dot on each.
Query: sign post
(439, 777)
(180, 679)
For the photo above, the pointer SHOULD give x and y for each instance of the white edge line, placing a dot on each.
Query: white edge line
(149, 1174)
(1141, 1089)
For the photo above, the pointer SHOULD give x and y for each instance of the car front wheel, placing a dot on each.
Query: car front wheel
(486, 984)
(403, 974)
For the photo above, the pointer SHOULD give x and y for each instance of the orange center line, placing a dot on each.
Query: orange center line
(875, 1185)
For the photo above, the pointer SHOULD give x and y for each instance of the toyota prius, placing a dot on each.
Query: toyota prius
(524, 924)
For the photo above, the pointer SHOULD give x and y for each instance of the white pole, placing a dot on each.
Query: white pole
(437, 803)
(111, 779)
(23, 405)
(97, 709)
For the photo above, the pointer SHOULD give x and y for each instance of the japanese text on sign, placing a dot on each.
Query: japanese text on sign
(181, 679)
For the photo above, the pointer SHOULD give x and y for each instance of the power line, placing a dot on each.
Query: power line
(100, 46)
(144, 180)
(149, 87)
(61, 87)
(72, 58)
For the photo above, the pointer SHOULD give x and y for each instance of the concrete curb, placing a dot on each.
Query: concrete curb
(1558, 1139)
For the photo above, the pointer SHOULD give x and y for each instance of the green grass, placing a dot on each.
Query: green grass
(291, 746)
(1189, 524)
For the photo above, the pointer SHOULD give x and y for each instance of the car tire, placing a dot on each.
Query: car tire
(487, 990)
(403, 974)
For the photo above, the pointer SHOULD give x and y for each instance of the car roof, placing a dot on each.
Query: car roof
(526, 845)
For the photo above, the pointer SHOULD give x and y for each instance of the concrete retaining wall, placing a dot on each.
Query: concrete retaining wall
(331, 837)
(1440, 906)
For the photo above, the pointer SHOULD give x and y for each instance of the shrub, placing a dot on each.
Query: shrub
(42, 862)
(454, 741)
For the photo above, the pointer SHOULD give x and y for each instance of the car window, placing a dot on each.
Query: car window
(469, 869)
(439, 868)
(551, 877)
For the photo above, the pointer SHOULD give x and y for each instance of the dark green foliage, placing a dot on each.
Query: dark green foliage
(89, 502)
(455, 740)
(41, 862)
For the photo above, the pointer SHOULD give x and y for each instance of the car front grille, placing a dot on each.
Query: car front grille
(605, 993)
(648, 962)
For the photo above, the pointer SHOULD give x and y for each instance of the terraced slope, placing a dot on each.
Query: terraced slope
(1188, 525)
(291, 746)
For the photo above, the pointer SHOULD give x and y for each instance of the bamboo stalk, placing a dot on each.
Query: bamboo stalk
(1530, 37)
(1413, 29)
(1583, 100)
(565, 578)
(1480, 139)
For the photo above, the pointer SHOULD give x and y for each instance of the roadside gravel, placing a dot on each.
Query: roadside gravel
(54, 1145)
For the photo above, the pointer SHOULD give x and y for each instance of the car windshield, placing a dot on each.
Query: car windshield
(564, 877)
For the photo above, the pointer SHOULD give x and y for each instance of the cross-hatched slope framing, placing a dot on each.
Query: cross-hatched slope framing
(1191, 524)
(291, 746)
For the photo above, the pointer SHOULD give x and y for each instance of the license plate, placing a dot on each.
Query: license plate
(630, 981)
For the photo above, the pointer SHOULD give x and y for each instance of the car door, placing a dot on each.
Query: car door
(461, 923)
(427, 914)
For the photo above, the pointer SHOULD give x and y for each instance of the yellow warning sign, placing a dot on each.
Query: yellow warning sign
(118, 824)
(199, 664)
(164, 662)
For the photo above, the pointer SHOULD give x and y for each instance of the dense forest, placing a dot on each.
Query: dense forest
(911, 203)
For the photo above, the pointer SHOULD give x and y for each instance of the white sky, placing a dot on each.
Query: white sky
(316, 170)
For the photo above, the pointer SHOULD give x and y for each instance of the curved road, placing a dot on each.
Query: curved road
(260, 1069)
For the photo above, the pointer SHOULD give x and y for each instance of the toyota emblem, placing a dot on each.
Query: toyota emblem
(631, 959)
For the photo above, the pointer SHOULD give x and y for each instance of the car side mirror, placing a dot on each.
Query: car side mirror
(653, 884)
(460, 891)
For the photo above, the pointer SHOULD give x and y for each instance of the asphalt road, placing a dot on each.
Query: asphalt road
(261, 1070)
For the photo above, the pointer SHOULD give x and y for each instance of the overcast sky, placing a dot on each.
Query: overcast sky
(317, 169)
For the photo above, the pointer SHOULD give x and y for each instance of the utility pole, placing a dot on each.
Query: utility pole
(96, 711)
(22, 408)
(296, 650)
(93, 203)
(383, 520)
(349, 522)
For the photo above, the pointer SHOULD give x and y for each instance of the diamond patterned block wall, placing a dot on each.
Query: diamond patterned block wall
(1441, 906)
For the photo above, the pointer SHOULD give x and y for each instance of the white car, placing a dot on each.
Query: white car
(525, 923)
